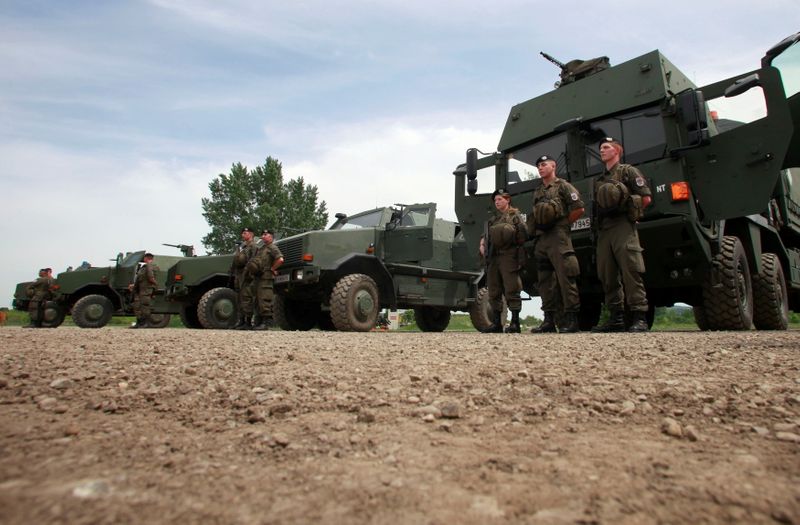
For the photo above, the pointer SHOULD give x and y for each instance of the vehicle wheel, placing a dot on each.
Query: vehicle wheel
(432, 318)
(158, 320)
(700, 317)
(728, 299)
(290, 314)
(770, 296)
(53, 315)
(217, 309)
(589, 314)
(189, 317)
(355, 304)
(92, 311)
(480, 312)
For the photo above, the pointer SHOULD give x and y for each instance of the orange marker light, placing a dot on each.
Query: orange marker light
(680, 191)
(308, 257)
(178, 277)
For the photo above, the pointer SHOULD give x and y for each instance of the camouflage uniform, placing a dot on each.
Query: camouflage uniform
(620, 264)
(244, 281)
(556, 264)
(39, 291)
(144, 288)
(261, 266)
(506, 235)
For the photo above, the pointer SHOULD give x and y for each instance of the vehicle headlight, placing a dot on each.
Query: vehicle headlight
(298, 274)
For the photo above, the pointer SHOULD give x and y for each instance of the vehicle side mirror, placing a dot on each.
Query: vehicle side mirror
(472, 164)
(742, 85)
(472, 186)
(119, 258)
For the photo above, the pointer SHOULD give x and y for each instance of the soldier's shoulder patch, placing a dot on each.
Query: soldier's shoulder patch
(639, 181)
(573, 196)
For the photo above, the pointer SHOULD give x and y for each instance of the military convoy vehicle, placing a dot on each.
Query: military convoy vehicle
(402, 257)
(723, 231)
(93, 295)
(341, 278)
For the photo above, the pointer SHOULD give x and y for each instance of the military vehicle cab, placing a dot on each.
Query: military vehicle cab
(723, 231)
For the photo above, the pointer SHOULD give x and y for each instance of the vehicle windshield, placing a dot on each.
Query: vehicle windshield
(366, 220)
(788, 63)
(132, 259)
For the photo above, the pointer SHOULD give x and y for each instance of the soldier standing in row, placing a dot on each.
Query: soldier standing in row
(243, 281)
(144, 288)
(556, 205)
(265, 266)
(40, 291)
(621, 194)
(505, 258)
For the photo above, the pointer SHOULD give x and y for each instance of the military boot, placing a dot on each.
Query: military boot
(548, 326)
(569, 324)
(246, 324)
(513, 326)
(265, 324)
(497, 324)
(638, 322)
(141, 322)
(239, 323)
(615, 323)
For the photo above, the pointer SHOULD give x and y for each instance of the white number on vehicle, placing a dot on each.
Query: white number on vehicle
(582, 224)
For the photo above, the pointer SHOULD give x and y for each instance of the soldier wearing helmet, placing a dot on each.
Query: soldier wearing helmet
(144, 288)
(556, 205)
(621, 194)
(505, 257)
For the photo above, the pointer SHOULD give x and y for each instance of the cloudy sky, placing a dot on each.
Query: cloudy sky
(115, 116)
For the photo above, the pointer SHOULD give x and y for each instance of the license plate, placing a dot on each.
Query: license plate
(584, 223)
(283, 278)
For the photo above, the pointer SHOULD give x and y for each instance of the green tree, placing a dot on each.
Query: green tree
(259, 198)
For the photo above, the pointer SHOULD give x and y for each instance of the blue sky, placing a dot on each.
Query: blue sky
(115, 116)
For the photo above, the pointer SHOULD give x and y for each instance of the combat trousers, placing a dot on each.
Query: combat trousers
(247, 296)
(264, 297)
(36, 310)
(142, 302)
(503, 280)
(620, 265)
(557, 269)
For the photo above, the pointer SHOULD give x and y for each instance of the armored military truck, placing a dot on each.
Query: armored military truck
(341, 278)
(92, 295)
(723, 231)
(391, 257)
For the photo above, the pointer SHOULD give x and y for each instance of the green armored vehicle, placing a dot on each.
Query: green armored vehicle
(723, 231)
(341, 278)
(401, 257)
(92, 295)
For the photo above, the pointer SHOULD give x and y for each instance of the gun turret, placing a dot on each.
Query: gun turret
(186, 249)
(575, 70)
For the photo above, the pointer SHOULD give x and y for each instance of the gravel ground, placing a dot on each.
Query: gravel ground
(185, 426)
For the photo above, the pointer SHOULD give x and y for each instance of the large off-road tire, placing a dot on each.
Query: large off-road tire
(53, 315)
(217, 309)
(480, 312)
(770, 296)
(158, 320)
(728, 300)
(432, 318)
(290, 314)
(189, 316)
(355, 304)
(700, 317)
(92, 311)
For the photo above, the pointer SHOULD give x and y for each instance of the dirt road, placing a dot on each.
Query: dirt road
(184, 426)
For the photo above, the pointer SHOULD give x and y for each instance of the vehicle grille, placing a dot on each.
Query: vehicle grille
(292, 250)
